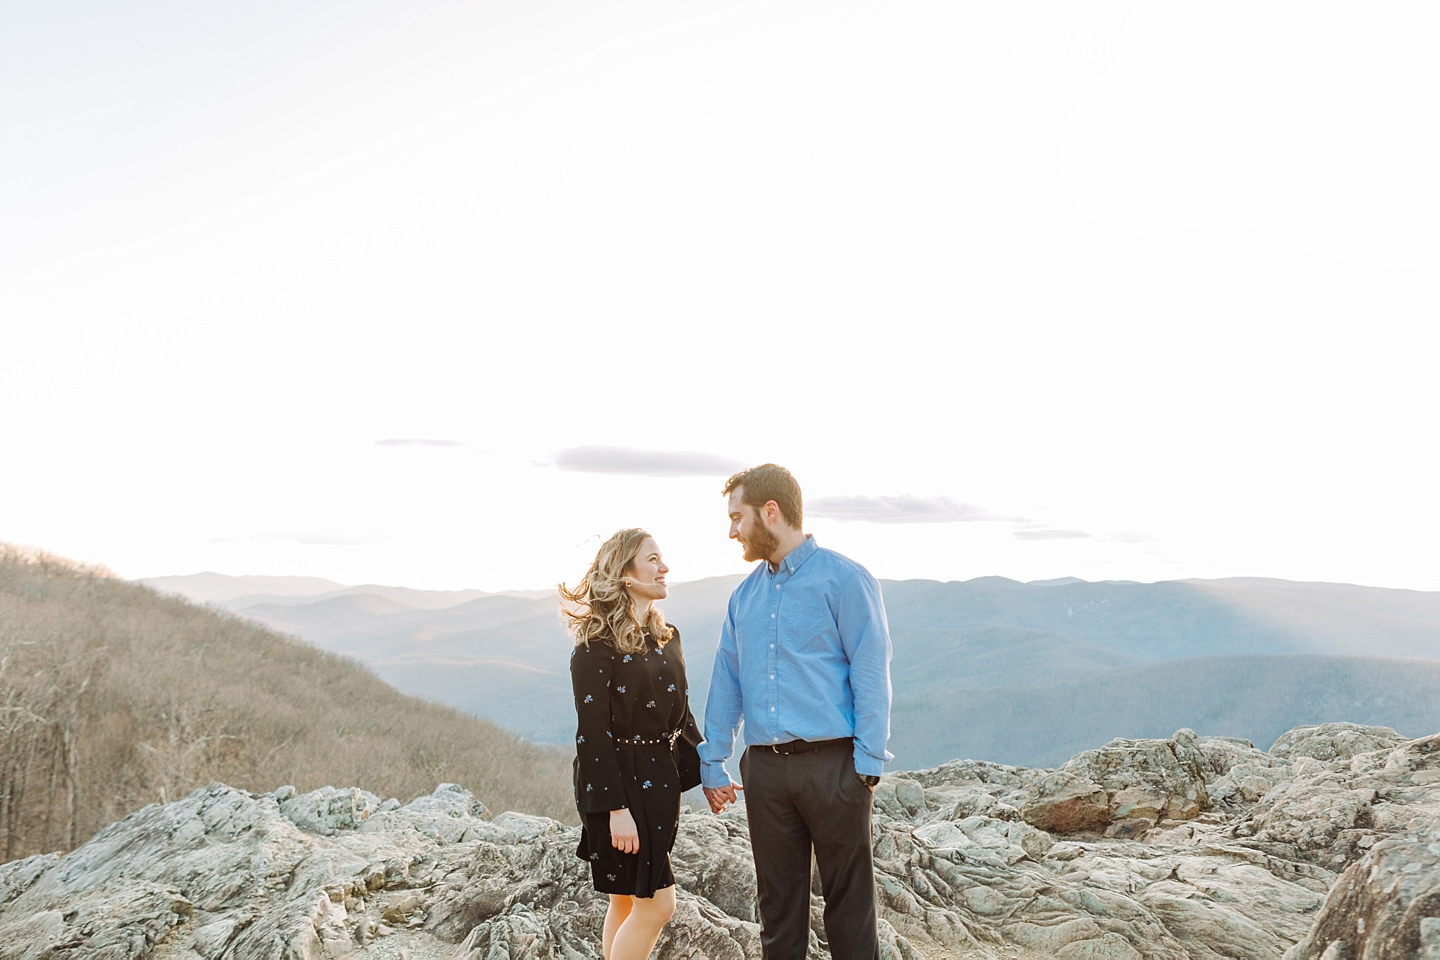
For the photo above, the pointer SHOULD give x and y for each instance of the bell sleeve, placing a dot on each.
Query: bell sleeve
(687, 749)
(598, 787)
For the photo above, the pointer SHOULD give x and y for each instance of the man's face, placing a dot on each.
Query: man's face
(747, 525)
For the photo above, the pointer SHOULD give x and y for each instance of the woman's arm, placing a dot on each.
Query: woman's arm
(598, 787)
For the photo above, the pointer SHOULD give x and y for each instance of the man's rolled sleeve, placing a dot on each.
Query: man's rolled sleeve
(865, 635)
(722, 710)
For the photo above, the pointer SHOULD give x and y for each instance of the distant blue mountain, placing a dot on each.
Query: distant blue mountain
(1257, 697)
(1063, 664)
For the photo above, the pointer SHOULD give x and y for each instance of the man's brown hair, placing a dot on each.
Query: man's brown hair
(759, 485)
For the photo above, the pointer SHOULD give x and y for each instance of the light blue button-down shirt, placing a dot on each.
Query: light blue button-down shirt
(804, 655)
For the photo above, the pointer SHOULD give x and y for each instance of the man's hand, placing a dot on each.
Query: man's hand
(719, 797)
(623, 834)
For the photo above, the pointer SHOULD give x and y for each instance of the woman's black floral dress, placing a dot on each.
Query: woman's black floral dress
(628, 754)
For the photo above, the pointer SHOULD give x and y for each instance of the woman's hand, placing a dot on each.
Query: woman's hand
(623, 834)
(720, 796)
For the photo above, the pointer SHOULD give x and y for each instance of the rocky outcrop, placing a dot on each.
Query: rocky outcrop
(1186, 847)
(1066, 804)
(1330, 812)
(1386, 906)
(1334, 741)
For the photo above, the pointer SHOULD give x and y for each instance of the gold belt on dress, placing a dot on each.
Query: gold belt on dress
(668, 740)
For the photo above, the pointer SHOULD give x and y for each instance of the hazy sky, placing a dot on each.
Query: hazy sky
(1104, 290)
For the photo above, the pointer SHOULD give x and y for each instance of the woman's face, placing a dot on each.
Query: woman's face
(645, 576)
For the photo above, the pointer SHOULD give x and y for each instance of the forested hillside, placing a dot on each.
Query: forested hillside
(113, 696)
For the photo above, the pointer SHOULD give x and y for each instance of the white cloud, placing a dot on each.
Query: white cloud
(417, 442)
(905, 508)
(1050, 533)
(326, 540)
(305, 539)
(627, 461)
(1125, 536)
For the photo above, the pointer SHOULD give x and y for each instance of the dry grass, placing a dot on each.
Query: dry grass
(113, 696)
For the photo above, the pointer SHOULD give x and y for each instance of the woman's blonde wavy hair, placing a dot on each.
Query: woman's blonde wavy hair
(599, 606)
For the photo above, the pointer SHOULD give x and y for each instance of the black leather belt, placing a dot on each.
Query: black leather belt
(803, 746)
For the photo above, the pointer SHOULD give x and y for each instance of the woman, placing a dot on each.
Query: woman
(635, 746)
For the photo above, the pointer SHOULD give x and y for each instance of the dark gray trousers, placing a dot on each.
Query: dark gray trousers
(795, 803)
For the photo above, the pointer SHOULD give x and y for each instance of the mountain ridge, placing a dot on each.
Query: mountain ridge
(1255, 697)
(503, 656)
(236, 592)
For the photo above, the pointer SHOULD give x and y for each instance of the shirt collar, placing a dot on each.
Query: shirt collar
(795, 558)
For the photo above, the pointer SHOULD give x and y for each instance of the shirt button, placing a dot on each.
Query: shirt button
(772, 646)
(772, 676)
(772, 709)
(775, 739)
(777, 586)
(772, 616)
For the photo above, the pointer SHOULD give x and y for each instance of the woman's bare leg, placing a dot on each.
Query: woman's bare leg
(614, 917)
(639, 931)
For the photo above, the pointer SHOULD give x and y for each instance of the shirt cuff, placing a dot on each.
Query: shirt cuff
(714, 775)
(868, 766)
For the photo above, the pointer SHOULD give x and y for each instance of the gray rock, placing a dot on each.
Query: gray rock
(451, 814)
(327, 811)
(1387, 904)
(1334, 741)
(1065, 804)
(1430, 938)
(17, 875)
(1133, 829)
(227, 874)
(1177, 769)
(1330, 813)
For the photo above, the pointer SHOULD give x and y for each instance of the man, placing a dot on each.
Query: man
(804, 660)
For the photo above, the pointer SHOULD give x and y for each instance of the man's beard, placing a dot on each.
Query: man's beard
(760, 544)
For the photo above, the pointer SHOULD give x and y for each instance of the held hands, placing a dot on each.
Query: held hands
(720, 797)
(623, 834)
